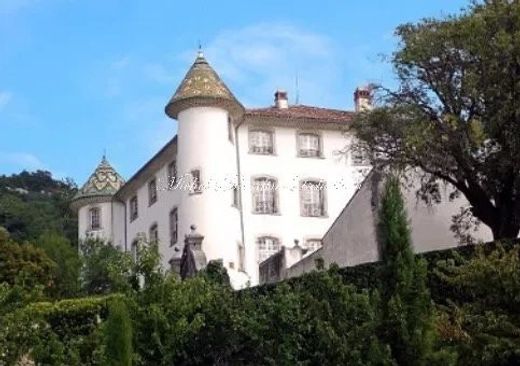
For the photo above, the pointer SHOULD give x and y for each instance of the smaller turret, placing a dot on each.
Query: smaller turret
(95, 205)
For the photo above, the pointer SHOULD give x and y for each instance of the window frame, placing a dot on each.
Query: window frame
(172, 174)
(362, 160)
(276, 197)
(152, 191)
(174, 226)
(196, 184)
(257, 246)
(91, 210)
(318, 135)
(322, 197)
(153, 228)
(270, 131)
(312, 238)
(134, 214)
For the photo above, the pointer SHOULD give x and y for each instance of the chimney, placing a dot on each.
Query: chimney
(363, 98)
(280, 99)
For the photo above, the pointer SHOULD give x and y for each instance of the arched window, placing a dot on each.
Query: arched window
(312, 198)
(309, 145)
(265, 195)
(261, 142)
(94, 215)
(266, 247)
(174, 225)
(154, 234)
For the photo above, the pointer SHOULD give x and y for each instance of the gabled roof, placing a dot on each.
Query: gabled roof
(303, 112)
(202, 87)
(104, 181)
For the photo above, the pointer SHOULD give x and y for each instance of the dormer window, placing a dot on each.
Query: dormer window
(94, 215)
(309, 145)
(152, 192)
(261, 142)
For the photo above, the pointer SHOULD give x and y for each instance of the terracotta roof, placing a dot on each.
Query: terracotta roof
(202, 86)
(105, 181)
(303, 112)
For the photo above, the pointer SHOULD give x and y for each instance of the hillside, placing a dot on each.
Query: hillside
(34, 202)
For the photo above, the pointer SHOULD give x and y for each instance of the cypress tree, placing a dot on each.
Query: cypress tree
(118, 334)
(407, 324)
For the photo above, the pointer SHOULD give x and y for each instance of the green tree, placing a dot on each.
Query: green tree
(456, 114)
(406, 303)
(118, 334)
(482, 323)
(66, 257)
(105, 268)
(24, 264)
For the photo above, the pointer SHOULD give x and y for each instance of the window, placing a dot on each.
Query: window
(312, 196)
(236, 197)
(312, 245)
(196, 186)
(152, 192)
(359, 157)
(94, 215)
(261, 142)
(154, 234)
(174, 224)
(172, 174)
(134, 213)
(265, 196)
(309, 145)
(267, 246)
(230, 129)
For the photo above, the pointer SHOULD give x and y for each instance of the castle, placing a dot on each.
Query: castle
(251, 180)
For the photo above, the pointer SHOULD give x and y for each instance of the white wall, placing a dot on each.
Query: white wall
(335, 168)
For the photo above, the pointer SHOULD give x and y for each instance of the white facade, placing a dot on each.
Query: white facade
(214, 139)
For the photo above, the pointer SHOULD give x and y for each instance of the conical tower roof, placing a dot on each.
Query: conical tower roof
(202, 87)
(104, 182)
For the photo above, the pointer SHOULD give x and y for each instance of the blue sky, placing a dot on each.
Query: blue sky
(81, 76)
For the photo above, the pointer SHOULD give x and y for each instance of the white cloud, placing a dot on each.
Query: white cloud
(5, 98)
(22, 160)
(258, 59)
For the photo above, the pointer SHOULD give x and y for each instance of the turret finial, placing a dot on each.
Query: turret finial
(199, 52)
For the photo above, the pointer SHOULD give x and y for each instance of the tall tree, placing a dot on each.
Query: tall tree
(118, 334)
(456, 113)
(406, 303)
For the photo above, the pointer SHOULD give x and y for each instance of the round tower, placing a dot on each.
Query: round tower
(207, 114)
(96, 207)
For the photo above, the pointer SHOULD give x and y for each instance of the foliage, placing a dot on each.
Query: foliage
(68, 264)
(25, 263)
(406, 303)
(456, 114)
(216, 272)
(105, 268)
(484, 327)
(32, 203)
(118, 334)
